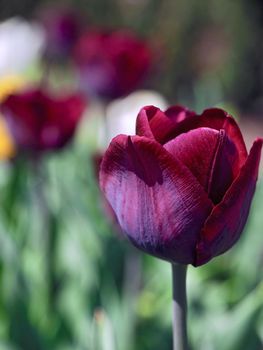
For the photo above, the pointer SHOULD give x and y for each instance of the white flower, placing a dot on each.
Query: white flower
(21, 43)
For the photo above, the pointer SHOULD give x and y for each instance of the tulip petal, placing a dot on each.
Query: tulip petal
(213, 118)
(227, 220)
(222, 120)
(179, 113)
(165, 126)
(142, 123)
(158, 202)
(211, 157)
(156, 124)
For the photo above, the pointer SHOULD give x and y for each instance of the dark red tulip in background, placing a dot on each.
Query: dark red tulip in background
(111, 64)
(182, 186)
(39, 122)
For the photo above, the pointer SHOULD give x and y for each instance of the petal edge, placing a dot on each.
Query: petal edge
(227, 220)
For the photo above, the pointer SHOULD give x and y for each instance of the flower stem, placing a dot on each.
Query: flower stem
(179, 307)
(49, 222)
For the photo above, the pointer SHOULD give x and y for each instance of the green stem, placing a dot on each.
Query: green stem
(49, 222)
(179, 307)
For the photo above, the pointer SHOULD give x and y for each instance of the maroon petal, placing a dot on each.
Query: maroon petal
(158, 202)
(210, 155)
(152, 122)
(227, 220)
(17, 111)
(213, 118)
(61, 121)
(142, 123)
(222, 120)
(179, 113)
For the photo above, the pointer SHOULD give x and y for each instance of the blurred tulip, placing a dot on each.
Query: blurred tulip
(182, 187)
(40, 122)
(62, 26)
(111, 64)
(21, 43)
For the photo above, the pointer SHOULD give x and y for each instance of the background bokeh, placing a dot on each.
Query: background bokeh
(68, 279)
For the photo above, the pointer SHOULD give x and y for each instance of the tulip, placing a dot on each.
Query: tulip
(111, 64)
(40, 122)
(182, 187)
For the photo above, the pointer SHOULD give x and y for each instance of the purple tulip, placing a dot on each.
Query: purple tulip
(181, 187)
(39, 122)
(111, 64)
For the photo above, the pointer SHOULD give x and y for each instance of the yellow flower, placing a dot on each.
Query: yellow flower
(7, 147)
(8, 85)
